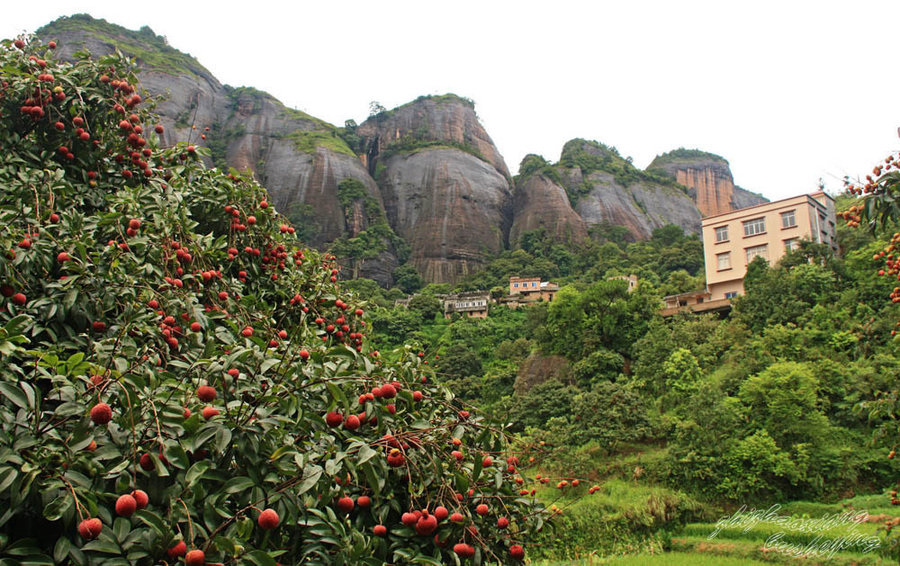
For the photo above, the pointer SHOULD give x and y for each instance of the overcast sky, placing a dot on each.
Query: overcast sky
(788, 92)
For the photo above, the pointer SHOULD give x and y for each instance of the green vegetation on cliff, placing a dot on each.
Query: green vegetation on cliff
(151, 50)
(533, 164)
(307, 141)
(682, 156)
(592, 156)
(375, 235)
(380, 113)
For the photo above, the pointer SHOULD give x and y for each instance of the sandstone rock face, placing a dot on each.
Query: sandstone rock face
(608, 189)
(709, 178)
(450, 205)
(713, 190)
(299, 159)
(742, 198)
(641, 207)
(285, 150)
(537, 369)
(446, 118)
(444, 185)
(428, 168)
(538, 203)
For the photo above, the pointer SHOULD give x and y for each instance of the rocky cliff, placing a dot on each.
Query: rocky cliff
(541, 203)
(605, 188)
(423, 181)
(742, 198)
(300, 159)
(447, 119)
(708, 176)
(451, 204)
(445, 186)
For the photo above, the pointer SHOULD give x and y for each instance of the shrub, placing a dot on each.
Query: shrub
(163, 332)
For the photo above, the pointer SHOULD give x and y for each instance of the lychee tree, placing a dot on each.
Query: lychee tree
(877, 206)
(181, 381)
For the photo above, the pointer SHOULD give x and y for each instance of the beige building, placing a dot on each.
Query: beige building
(731, 240)
(525, 290)
(472, 305)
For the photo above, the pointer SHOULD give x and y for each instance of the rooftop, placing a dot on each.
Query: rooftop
(742, 211)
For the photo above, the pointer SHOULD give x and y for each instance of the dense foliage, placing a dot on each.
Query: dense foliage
(180, 381)
(769, 404)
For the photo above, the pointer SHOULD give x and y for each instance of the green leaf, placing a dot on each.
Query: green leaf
(69, 409)
(462, 483)
(70, 298)
(22, 547)
(311, 474)
(282, 451)
(476, 471)
(61, 550)
(121, 526)
(238, 484)
(366, 453)
(29, 393)
(268, 364)
(105, 546)
(196, 472)
(56, 508)
(7, 476)
(259, 557)
(153, 521)
(337, 394)
(374, 479)
(204, 434)
(14, 394)
(223, 439)
(74, 360)
(37, 560)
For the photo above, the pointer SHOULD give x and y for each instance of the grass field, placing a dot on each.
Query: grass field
(630, 522)
(799, 532)
(667, 559)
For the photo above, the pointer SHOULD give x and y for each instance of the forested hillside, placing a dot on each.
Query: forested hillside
(182, 380)
(780, 401)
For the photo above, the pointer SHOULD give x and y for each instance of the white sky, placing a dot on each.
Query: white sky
(787, 91)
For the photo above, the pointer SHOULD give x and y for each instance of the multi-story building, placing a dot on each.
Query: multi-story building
(731, 240)
(524, 290)
(472, 305)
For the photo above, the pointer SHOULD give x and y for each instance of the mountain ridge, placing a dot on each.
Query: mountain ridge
(437, 190)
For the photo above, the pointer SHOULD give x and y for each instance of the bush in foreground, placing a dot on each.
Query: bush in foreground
(180, 381)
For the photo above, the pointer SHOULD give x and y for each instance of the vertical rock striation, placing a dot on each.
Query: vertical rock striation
(708, 176)
(450, 205)
(426, 172)
(540, 203)
(445, 186)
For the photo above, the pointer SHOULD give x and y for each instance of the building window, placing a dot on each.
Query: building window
(516, 285)
(762, 250)
(791, 245)
(754, 227)
(724, 260)
(722, 234)
(731, 294)
(533, 284)
(788, 219)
